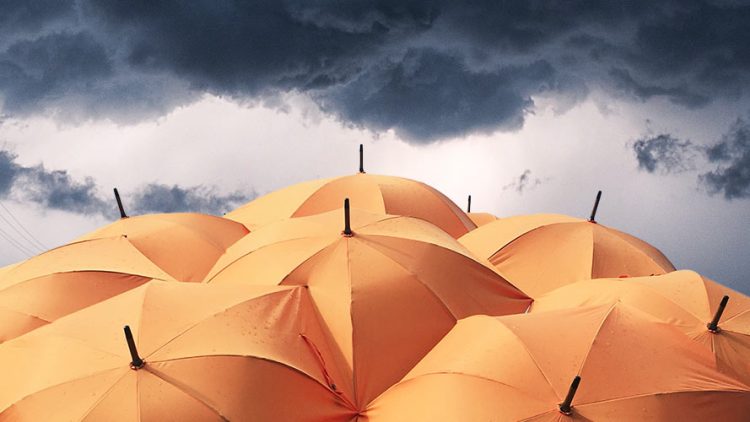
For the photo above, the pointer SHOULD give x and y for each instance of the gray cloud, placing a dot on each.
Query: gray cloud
(665, 154)
(427, 69)
(58, 190)
(524, 182)
(729, 159)
(731, 155)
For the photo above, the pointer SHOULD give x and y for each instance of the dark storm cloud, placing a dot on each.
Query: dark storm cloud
(729, 159)
(57, 189)
(165, 198)
(664, 154)
(731, 155)
(427, 69)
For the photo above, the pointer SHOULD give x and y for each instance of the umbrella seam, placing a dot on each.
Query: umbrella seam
(526, 233)
(103, 396)
(190, 392)
(411, 273)
(221, 311)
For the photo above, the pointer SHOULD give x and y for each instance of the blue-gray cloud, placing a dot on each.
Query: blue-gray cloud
(427, 69)
(724, 164)
(59, 190)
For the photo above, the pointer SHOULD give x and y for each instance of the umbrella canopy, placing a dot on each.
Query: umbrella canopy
(481, 218)
(378, 194)
(184, 245)
(195, 352)
(66, 279)
(541, 252)
(524, 367)
(387, 292)
(681, 298)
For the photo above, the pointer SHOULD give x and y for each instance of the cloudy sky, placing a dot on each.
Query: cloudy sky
(528, 106)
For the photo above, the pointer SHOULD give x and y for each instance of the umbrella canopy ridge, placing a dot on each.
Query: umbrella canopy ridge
(374, 193)
(209, 353)
(571, 249)
(387, 293)
(55, 283)
(684, 299)
(524, 367)
(185, 245)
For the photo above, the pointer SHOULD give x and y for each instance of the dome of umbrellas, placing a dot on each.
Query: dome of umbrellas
(367, 298)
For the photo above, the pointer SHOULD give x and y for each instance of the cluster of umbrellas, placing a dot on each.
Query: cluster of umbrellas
(367, 298)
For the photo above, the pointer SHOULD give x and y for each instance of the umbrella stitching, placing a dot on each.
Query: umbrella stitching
(492, 255)
(103, 396)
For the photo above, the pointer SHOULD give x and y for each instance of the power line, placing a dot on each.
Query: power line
(19, 247)
(31, 238)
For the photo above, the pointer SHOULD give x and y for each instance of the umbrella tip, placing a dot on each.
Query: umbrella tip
(468, 206)
(361, 159)
(119, 204)
(565, 406)
(347, 223)
(136, 362)
(713, 326)
(592, 219)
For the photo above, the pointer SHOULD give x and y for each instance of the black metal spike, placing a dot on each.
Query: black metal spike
(468, 207)
(713, 326)
(596, 205)
(119, 204)
(565, 407)
(136, 362)
(347, 225)
(361, 159)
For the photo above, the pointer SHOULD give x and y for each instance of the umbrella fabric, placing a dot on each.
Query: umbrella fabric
(684, 299)
(66, 279)
(388, 293)
(210, 352)
(184, 245)
(520, 367)
(542, 252)
(481, 218)
(378, 194)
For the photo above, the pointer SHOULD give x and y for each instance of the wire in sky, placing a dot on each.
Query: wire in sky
(31, 238)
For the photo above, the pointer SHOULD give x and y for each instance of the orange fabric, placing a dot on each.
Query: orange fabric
(387, 294)
(185, 245)
(542, 252)
(211, 353)
(481, 218)
(378, 194)
(681, 298)
(519, 367)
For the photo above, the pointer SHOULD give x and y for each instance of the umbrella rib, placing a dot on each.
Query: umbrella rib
(661, 393)
(104, 395)
(408, 271)
(293, 368)
(739, 314)
(508, 243)
(218, 312)
(234, 261)
(185, 389)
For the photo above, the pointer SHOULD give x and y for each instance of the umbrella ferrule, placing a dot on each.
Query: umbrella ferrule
(347, 220)
(136, 362)
(361, 159)
(713, 326)
(592, 219)
(119, 204)
(468, 206)
(565, 406)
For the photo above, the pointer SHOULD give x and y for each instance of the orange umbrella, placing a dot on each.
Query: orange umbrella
(595, 363)
(479, 218)
(185, 245)
(195, 352)
(378, 194)
(694, 304)
(541, 252)
(387, 287)
(66, 279)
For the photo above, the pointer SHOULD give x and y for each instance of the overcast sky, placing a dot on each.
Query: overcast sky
(527, 106)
